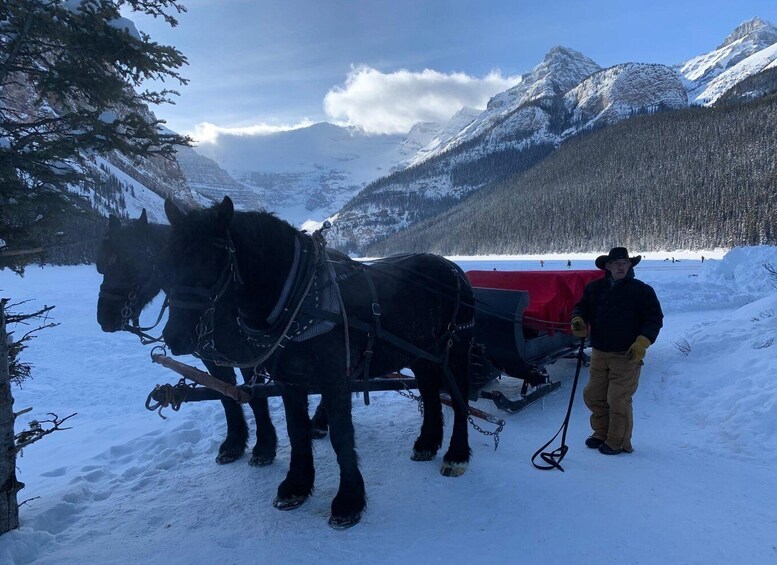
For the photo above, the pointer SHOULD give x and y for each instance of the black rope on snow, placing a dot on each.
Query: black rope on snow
(554, 458)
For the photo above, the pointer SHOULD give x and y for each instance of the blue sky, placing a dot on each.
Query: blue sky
(261, 65)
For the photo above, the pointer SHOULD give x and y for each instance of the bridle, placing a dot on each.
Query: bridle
(308, 255)
(205, 300)
(127, 293)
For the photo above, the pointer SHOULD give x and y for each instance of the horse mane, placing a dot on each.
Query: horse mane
(264, 244)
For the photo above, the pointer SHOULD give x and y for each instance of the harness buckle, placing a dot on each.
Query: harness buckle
(375, 309)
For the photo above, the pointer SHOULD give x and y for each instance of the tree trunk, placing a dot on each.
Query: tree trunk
(9, 506)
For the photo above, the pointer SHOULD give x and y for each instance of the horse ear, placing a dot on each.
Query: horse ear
(143, 219)
(225, 212)
(174, 214)
(113, 222)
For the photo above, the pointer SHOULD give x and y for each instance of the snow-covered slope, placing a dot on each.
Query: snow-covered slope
(752, 65)
(445, 135)
(119, 185)
(212, 183)
(618, 92)
(560, 70)
(309, 172)
(748, 39)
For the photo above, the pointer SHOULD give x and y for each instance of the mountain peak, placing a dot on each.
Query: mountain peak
(755, 29)
(560, 52)
(564, 66)
(562, 57)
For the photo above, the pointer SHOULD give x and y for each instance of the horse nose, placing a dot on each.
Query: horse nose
(107, 324)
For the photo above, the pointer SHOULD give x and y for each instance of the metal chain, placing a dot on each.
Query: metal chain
(407, 393)
(495, 433)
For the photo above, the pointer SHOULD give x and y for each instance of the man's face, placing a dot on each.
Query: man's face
(618, 268)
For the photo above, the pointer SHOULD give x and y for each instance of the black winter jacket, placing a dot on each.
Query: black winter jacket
(620, 312)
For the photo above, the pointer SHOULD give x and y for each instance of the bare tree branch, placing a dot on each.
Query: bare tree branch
(37, 431)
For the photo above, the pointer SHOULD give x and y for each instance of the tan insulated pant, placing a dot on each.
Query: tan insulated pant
(612, 382)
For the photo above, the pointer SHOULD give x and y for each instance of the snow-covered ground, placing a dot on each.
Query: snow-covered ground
(124, 486)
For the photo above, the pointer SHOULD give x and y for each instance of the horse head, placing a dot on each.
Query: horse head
(208, 251)
(199, 259)
(127, 259)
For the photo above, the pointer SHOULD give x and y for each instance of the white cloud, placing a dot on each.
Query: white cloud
(394, 102)
(206, 132)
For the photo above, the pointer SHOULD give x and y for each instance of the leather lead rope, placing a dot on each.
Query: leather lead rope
(554, 458)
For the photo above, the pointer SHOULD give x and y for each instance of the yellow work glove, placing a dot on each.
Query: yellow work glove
(636, 352)
(579, 328)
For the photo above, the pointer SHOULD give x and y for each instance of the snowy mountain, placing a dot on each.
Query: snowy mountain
(375, 185)
(560, 70)
(211, 182)
(308, 173)
(565, 94)
(530, 119)
(742, 54)
(445, 135)
(621, 91)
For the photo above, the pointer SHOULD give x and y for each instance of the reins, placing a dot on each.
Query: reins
(478, 305)
(139, 331)
(554, 458)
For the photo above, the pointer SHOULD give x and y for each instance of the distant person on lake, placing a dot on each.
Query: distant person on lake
(702, 258)
(625, 317)
(569, 263)
(542, 263)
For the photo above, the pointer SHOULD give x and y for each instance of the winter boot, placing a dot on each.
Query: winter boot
(593, 442)
(607, 450)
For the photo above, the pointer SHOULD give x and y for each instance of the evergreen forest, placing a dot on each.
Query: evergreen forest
(699, 178)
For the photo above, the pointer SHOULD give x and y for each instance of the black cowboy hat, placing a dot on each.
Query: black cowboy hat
(615, 254)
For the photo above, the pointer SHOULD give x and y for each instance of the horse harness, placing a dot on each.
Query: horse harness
(309, 305)
(128, 294)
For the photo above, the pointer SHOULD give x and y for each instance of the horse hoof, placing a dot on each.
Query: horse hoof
(319, 433)
(289, 503)
(261, 461)
(453, 469)
(344, 522)
(227, 458)
(422, 455)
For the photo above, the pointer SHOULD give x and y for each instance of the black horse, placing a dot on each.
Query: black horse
(129, 259)
(316, 319)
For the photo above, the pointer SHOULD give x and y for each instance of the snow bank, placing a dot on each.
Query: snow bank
(742, 269)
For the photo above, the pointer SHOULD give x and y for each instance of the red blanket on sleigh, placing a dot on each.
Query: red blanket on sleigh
(552, 294)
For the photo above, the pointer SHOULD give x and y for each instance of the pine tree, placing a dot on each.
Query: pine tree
(70, 85)
(68, 78)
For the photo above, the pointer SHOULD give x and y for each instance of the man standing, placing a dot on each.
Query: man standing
(625, 318)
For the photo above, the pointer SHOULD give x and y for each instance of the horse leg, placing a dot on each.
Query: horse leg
(350, 501)
(234, 445)
(430, 438)
(263, 452)
(320, 422)
(456, 459)
(298, 484)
